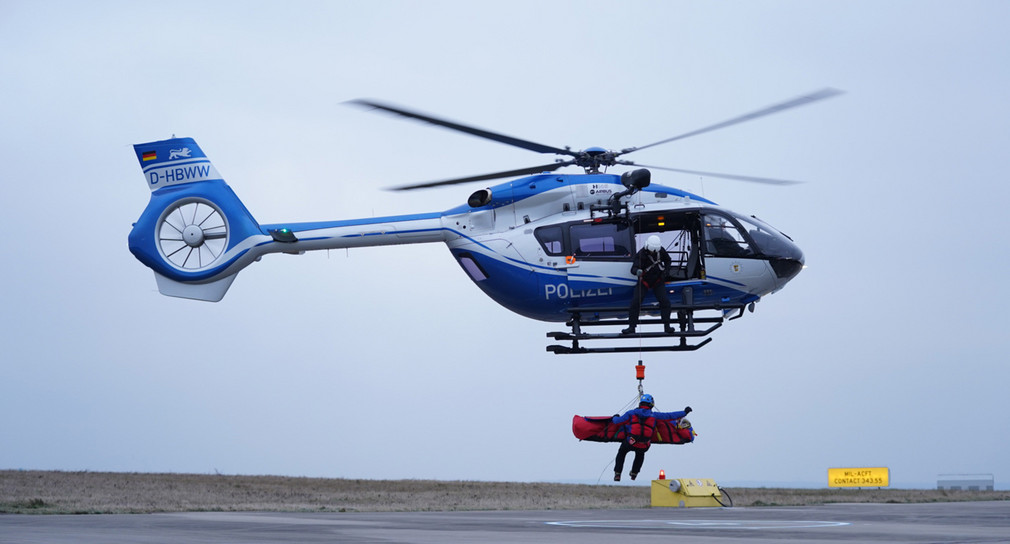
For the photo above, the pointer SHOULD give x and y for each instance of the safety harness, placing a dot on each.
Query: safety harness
(652, 268)
(641, 431)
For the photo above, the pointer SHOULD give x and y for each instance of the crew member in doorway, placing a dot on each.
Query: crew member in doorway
(639, 426)
(650, 266)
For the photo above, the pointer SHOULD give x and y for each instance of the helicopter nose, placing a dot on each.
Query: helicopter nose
(787, 269)
(785, 258)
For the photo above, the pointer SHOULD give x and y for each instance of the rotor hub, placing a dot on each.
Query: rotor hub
(193, 235)
(592, 158)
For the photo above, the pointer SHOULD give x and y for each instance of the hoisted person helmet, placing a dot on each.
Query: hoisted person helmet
(647, 399)
(653, 243)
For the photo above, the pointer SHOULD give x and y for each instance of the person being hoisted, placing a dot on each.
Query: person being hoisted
(650, 266)
(639, 426)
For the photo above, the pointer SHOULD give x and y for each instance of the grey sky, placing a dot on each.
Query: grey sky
(889, 350)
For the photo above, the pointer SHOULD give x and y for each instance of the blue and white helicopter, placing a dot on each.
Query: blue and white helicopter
(551, 247)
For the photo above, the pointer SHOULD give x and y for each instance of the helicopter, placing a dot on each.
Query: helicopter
(555, 247)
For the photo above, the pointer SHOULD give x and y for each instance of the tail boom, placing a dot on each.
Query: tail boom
(196, 235)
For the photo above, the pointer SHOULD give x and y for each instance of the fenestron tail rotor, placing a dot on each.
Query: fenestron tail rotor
(192, 234)
(592, 159)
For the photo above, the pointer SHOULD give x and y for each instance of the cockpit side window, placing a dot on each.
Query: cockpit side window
(551, 238)
(724, 239)
(601, 240)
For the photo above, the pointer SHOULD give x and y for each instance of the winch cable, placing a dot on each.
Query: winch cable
(633, 403)
(602, 472)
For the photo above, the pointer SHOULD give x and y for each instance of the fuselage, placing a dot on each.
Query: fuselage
(537, 247)
(541, 246)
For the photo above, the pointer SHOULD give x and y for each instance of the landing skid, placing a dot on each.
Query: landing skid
(683, 320)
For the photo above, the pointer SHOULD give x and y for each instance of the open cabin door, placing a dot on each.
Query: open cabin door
(680, 233)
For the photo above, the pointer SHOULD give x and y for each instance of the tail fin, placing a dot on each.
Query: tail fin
(195, 233)
(174, 162)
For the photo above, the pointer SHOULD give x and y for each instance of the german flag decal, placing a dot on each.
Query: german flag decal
(149, 155)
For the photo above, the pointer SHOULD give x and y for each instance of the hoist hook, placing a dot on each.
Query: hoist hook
(640, 374)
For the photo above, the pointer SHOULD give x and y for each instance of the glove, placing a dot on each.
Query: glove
(687, 410)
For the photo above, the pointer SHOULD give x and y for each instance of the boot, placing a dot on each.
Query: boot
(617, 477)
(667, 327)
(633, 474)
(629, 330)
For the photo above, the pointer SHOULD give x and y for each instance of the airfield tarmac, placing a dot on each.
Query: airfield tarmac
(864, 523)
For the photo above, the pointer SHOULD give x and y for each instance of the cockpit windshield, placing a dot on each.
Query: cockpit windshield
(768, 241)
(748, 237)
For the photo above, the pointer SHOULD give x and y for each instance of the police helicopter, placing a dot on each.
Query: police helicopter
(549, 246)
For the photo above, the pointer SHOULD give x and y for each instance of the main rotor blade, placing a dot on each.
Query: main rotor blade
(753, 179)
(776, 108)
(525, 144)
(511, 173)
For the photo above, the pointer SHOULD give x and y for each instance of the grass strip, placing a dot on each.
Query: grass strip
(55, 492)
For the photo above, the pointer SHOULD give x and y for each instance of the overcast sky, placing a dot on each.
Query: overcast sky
(888, 350)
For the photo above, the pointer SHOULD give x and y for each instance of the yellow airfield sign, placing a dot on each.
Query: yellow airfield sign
(859, 477)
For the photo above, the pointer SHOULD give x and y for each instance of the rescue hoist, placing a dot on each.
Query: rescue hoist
(640, 374)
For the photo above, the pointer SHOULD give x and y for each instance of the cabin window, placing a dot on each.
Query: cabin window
(601, 240)
(472, 268)
(551, 239)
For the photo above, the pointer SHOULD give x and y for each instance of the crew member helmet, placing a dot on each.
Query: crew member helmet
(647, 399)
(653, 243)
(683, 424)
